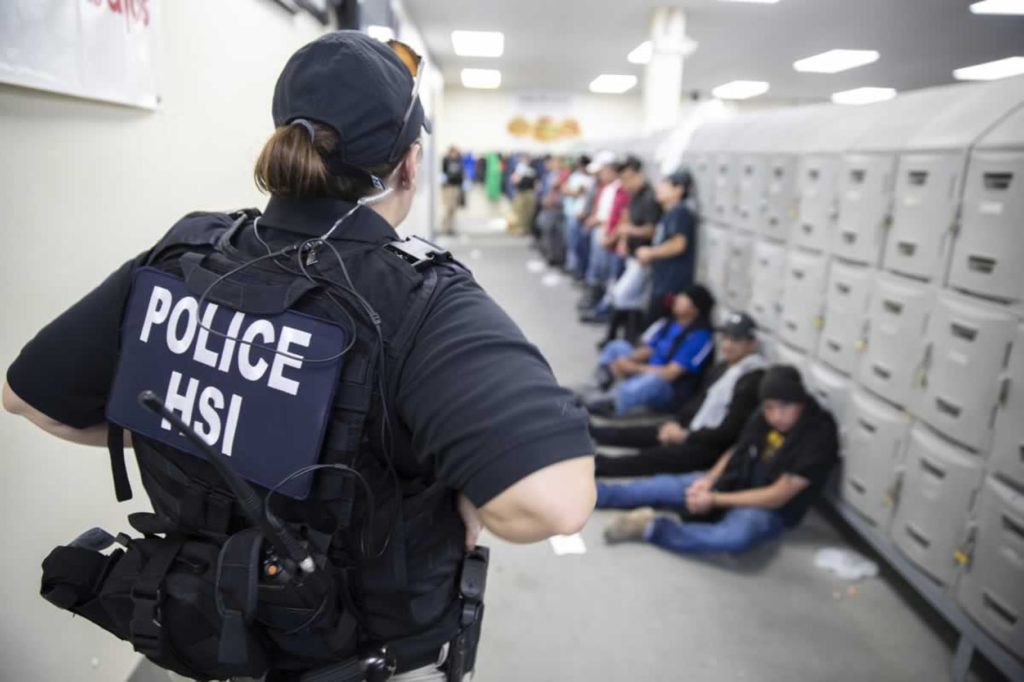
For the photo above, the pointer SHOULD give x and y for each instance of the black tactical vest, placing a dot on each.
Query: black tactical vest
(391, 537)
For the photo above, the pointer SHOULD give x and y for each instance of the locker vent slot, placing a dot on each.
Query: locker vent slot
(932, 470)
(834, 346)
(813, 174)
(849, 237)
(999, 609)
(843, 288)
(963, 332)
(918, 537)
(998, 181)
(807, 228)
(748, 170)
(791, 326)
(947, 408)
(858, 486)
(1012, 527)
(797, 274)
(981, 264)
(773, 221)
(892, 307)
(857, 176)
(917, 178)
(867, 426)
(906, 248)
(778, 172)
(881, 372)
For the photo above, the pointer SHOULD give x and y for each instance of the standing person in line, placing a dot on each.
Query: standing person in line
(756, 490)
(574, 199)
(672, 255)
(524, 201)
(609, 210)
(453, 171)
(424, 415)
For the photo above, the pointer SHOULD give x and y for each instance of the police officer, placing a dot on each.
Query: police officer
(439, 418)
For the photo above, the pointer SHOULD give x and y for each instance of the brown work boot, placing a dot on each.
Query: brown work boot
(629, 527)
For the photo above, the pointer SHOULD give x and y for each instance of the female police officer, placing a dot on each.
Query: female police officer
(470, 422)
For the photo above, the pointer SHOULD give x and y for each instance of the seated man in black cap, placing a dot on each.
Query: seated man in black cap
(756, 490)
(666, 369)
(707, 425)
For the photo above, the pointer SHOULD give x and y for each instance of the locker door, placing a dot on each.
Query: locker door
(967, 353)
(738, 275)
(876, 435)
(938, 485)
(926, 198)
(704, 178)
(992, 587)
(830, 389)
(787, 355)
(897, 317)
(725, 188)
(990, 247)
(803, 298)
(780, 209)
(1008, 440)
(767, 265)
(845, 307)
(717, 248)
(818, 187)
(865, 196)
(752, 201)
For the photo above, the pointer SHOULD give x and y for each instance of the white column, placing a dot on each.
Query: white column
(663, 78)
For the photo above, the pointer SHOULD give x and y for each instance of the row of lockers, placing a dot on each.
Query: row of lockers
(927, 185)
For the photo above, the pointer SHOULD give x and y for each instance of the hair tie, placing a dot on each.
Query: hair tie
(307, 125)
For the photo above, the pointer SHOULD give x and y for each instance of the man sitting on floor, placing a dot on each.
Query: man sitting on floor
(757, 489)
(665, 370)
(714, 417)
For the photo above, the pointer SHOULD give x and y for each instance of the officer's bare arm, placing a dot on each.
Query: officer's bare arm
(557, 500)
(93, 435)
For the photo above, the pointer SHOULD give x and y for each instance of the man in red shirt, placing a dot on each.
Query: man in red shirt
(609, 210)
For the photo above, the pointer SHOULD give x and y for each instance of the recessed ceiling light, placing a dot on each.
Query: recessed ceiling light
(990, 71)
(998, 7)
(758, 2)
(740, 89)
(835, 61)
(642, 53)
(865, 95)
(381, 33)
(481, 79)
(612, 84)
(478, 43)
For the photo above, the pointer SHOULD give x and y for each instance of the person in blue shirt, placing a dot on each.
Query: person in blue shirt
(666, 368)
(672, 255)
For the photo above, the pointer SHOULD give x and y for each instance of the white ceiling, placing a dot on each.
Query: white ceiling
(564, 44)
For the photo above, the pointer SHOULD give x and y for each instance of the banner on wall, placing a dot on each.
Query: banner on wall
(96, 49)
(545, 117)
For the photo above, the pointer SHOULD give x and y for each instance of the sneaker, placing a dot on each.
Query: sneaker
(629, 527)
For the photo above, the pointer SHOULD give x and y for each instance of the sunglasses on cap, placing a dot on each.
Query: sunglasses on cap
(414, 62)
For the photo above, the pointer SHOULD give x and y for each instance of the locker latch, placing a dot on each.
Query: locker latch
(963, 554)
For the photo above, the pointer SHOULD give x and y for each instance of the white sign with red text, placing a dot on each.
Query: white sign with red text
(97, 49)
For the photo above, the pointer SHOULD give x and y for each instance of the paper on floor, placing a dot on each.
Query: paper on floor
(535, 265)
(568, 544)
(845, 563)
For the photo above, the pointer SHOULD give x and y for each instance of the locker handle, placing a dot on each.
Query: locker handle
(881, 372)
(807, 228)
(843, 288)
(992, 604)
(849, 236)
(791, 326)
(997, 181)
(797, 274)
(1011, 526)
(906, 248)
(813, 174)
(857, 176)
(917, 536)
(962, 331)
(778, 171)
(867, 426)
(748, 170)
(981, 264)
(892, 307)
(857, 485)
(834, 346)
(917, 178)
(773, 221)
(930, 468)
(947, 407)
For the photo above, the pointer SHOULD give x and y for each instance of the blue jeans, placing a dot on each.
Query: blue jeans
(604, 265)
(573, 235)
(642, 390)
(739, 530)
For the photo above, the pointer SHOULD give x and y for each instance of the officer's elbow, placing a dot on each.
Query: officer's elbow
(13, 403)
(572, 511)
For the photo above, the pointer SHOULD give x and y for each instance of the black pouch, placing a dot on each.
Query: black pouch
(167, 598)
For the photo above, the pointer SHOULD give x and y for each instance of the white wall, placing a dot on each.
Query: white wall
(84, 186)
(476, 120)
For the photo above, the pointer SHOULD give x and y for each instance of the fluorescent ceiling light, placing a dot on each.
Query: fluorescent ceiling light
(998, 7)
(865, 95)
(481, 79)
(381, 33)
(990, 71)
(478, 43)
(612, 84)
(740, 89)
(835, 61)
(642, 53)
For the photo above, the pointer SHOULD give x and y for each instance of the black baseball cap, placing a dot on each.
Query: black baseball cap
(358, 86)
(739, 326)
(680, 178)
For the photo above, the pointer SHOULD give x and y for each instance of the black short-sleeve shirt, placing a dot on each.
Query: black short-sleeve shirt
(644, 210)
(480, 401)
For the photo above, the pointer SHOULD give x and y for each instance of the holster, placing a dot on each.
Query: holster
(472, 586)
